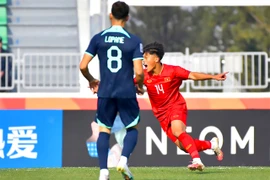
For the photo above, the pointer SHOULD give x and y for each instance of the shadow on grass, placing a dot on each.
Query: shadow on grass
(207, 172)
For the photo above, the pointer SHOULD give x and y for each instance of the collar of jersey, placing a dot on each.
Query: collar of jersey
(159, 72)
(117, 29)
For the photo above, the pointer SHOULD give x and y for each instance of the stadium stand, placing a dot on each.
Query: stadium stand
(3, 2)
(3, 23)
(4, 35)
(43, 26)
(44, 37)
(3, 16)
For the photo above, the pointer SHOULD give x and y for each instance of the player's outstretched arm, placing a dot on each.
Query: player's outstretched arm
(202, 76)
(93, 83)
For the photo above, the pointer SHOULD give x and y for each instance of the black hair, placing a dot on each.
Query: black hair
(120, 10)
(154, 48)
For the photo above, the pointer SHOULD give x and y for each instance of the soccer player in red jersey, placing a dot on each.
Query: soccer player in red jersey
(168, 105)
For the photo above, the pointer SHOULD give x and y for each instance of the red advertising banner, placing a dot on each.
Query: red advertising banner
(67, 103)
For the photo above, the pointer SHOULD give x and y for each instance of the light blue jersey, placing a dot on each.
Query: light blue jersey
(117, 125)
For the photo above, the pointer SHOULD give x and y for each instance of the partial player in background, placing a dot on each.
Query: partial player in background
(120, 54)
(5, 69)
(163, 82)
(119, 131)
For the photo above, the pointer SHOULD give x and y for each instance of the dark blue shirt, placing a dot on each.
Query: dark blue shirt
(6, 67)
(116, 49)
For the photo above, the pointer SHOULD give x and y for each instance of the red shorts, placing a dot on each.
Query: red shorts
(177, 112)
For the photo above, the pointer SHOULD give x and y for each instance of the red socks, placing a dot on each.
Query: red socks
(202, 145)
(189, 145)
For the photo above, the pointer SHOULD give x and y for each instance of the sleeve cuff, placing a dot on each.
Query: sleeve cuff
(138, 58)
(89, 54)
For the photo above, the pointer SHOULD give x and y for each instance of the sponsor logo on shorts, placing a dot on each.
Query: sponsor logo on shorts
(175, 116)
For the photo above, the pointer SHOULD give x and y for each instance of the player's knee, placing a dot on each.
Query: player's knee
(134, 127)
(178, 132)
(178, 127)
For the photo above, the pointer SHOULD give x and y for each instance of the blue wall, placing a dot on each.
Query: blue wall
(30, 138)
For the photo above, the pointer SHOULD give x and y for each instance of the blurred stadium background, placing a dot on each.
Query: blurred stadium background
(46, 39)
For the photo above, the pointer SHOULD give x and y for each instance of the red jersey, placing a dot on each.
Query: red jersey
(163, 89)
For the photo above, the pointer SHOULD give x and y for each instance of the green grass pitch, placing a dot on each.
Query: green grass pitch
(140, 173)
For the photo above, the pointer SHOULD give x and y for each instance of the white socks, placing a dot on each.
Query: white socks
(104, 172)
(197, 160)
(123, 160)
(213, 144)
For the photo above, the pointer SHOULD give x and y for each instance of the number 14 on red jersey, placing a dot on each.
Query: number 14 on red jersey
(159, 88)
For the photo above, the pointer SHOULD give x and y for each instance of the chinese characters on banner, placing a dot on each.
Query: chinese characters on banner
(21, 140)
